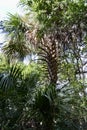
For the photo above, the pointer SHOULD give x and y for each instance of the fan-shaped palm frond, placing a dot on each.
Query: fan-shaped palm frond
(15, 49)
(11, 78)
(16, 46)
(14, 25)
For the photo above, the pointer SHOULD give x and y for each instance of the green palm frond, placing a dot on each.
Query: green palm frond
(14, 24)
(16, 45)
(11, 78)
(17, 49)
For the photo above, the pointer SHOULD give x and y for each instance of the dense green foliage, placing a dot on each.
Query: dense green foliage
(49, 93)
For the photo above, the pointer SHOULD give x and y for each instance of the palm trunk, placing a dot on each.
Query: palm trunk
(50, 56)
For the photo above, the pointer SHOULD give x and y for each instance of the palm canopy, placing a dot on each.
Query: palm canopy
(14, 28)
